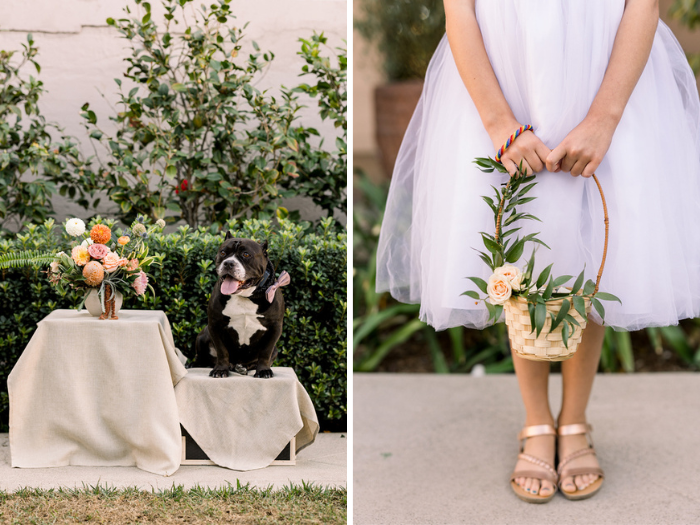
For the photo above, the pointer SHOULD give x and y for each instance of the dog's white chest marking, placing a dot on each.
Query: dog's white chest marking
(243, 317)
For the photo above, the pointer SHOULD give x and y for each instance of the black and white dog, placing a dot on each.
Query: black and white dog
(245, 311)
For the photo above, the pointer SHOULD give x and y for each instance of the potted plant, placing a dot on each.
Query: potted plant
(406, 34)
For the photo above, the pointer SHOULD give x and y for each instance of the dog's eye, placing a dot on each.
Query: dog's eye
(223, 252)
(246, 254)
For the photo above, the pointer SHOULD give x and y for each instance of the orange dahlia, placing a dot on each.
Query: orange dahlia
(100, 234)
(93, 273)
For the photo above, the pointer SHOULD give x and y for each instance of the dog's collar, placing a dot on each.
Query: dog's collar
(264, 283)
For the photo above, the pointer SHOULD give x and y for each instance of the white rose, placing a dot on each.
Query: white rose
(75, 227)
(499, 289)
(54, 266)
(513, 274)
(86, 242)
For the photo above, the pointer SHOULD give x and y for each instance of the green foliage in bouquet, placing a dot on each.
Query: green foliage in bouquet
(33, 166)
(509, 281)
(314, 338)
(195, 139)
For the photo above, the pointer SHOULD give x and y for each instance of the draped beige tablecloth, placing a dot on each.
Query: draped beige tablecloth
(97, 393)
(243, 423)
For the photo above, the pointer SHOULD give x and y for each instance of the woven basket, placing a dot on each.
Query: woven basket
(548, 346)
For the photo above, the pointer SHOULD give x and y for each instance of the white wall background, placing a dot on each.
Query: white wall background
(80, 55)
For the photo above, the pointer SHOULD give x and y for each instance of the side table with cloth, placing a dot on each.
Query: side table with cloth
(97, 393)
(243, 422)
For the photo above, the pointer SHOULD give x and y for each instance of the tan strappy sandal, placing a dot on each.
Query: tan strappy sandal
(549, 474)
(563, 472)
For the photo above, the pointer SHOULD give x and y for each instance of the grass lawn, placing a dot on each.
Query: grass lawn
(241, 504)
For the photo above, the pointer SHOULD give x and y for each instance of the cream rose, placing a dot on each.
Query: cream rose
(499, 289)
(513, 274)
(110, 262)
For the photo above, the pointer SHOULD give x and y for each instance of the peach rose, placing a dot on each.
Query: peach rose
(123, 261)
(513, 274)
(499, 289)
(132, 265)
(98, 251)
(110, 262)
(80, 255)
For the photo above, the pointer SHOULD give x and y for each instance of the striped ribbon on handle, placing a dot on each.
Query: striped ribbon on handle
(510, 140)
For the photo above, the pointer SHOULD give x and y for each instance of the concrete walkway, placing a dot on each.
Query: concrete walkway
(323, 463)
(440, 449)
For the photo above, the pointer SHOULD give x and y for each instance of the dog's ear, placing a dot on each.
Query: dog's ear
(263, 245)
(228, 235)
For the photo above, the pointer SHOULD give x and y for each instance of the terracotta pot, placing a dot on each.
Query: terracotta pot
(92, 303)
(394, 105)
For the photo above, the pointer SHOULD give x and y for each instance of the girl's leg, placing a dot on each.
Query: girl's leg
(533, 379)
(577, 378)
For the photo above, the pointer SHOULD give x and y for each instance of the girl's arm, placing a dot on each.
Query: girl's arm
(477, 74)
(582, 151)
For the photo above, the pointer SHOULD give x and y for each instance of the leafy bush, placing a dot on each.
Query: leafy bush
(406, 33)
(32, 167)
(314, 339)
(195, 138)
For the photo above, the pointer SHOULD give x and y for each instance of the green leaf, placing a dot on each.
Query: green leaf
(599, 307)
(563, 279)
(491, 246)
(177, 86)
(607, 297)
(544, 276)
(516, 251)
(580, 306)
(565, 305)
(578, 282)
(479, 282)
(531, 311)
(472, 294)
(589, 287)
(548, 291)
(565, 335)
(540, 317)
(171, 171)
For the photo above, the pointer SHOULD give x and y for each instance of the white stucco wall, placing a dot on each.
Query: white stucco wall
(80, 55)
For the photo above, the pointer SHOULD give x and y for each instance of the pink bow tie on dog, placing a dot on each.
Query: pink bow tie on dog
(284, 280)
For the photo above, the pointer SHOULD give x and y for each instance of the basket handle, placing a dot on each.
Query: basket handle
(607, 225)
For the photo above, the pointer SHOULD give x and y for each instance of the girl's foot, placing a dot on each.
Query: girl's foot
(541, 447)
(580, 473)
(534, 478)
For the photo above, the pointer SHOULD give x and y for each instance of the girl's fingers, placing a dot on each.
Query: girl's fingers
(567, 163)
(578, 167)
(542, 152)
(590, 168)
(533, 159)
(554, 159)
(510, 166)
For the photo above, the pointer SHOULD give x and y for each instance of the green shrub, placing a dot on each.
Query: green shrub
(406, 33)
(33, 167)
(195, 139)
(314, 339)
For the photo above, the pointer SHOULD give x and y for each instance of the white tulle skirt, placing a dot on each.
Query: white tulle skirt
(550, 58)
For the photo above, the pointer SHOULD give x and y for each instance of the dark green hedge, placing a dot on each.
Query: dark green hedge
(314, 339)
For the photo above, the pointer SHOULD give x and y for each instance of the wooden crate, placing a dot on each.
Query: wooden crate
(192, 454)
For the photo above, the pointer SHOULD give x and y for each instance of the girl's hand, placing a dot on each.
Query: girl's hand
(583, 149)
(528, 149)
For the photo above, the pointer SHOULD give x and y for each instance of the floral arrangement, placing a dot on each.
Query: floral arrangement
(508, 281)
(97, 259)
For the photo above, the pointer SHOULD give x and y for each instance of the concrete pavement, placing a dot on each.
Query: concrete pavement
(432, 449)
(323, 463)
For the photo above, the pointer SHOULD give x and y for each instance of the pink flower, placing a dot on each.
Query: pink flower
(140, 283)
(110, 262)
(133, 264)
(98, 251)
(123, 261)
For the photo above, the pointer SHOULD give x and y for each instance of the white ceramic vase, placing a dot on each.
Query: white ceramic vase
(93, 305)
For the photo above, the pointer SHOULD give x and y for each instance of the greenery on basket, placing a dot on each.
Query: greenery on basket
(33, 167)
(406, 33)
(196, 140)
(314, 339)
(509, 281)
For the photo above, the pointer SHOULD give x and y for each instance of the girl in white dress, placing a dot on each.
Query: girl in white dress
(607, 90)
